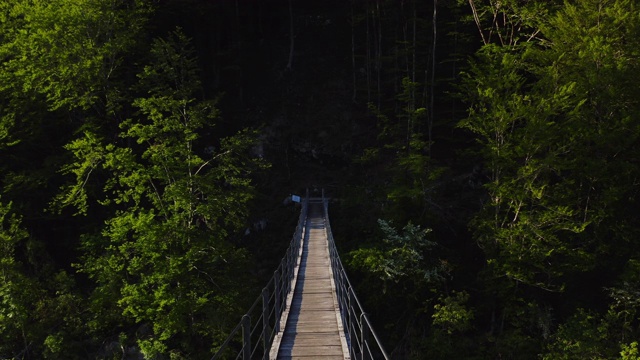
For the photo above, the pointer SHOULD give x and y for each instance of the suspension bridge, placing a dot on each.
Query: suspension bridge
(308, 310)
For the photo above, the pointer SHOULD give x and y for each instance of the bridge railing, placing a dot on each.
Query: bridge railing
(253, 335)
(362, 340)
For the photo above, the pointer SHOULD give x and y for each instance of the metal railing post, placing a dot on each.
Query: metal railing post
(276, 285)
(246, 337)
(341, 296)
(265, 323)
(364, 335)
(350, 316)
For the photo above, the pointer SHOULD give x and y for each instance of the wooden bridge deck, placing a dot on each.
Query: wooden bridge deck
(313, 328)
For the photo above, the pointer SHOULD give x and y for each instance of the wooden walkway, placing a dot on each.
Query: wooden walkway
(313, 328)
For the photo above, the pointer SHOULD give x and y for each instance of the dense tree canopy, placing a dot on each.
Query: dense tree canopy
(483, 157)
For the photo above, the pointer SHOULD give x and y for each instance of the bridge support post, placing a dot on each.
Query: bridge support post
(276, 296)
(266, 335)
(342, 301)
(284, 275)
(246, 337)
(350, 319)
(364, 335)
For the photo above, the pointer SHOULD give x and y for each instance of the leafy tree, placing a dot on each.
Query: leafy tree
(15, 288)
(409, 178)
(539, 122)
(452, 320)
(62, 67)
(404, 268)
(403, 257)
(555, 118)
(630, 352)
(67, 51)
(452, 315)
(587, 335)
(40, 312)
(527, 223)
(508, 23)
(164, 258)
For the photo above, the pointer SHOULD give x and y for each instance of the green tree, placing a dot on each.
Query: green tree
(402, 258)
(630, 352)
(40, 310)
(527, 225)
(62, 68)
(452, 318)
(508, 23)
(67, 51)
(557, 124)
(164, 259)
(452, 315)
(538, 113)
(15, 289)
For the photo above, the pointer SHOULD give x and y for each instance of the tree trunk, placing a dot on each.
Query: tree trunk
(353, 54)
(291, 37)
(433, 74)
(368, 59)
(379, 55)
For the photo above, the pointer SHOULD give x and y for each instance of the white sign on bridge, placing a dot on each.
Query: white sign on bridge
(295, 198)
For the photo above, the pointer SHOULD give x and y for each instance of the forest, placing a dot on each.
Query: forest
(482, 156)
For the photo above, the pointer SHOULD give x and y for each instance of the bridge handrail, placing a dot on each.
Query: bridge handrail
(273, 305)
(357, 326)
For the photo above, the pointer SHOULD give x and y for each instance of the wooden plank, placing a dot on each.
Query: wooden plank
(323, 297)
(315, 350)
(312, 357)
(328, 315)
(309, 339)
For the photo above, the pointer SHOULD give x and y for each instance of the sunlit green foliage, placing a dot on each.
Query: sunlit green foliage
(549, 144)
(402, 258)
(452, 314)
(15, 287)
(163, 259)
(36, 317)
(66, 51)
(558, 127)
(630, 352)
